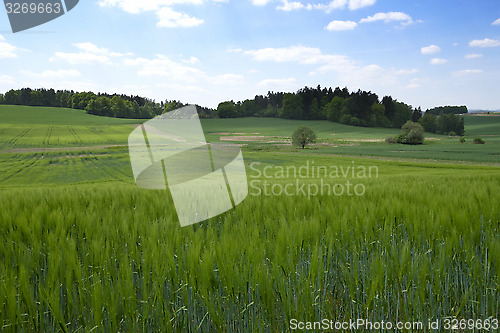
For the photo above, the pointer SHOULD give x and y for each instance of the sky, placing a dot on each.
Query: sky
(425, 53)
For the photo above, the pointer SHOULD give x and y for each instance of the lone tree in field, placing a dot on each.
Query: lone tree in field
(413, 133)
(303, 136)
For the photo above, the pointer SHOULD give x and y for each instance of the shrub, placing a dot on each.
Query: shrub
(462, 139)
(401, 138)
(413, 133)
(354, 121)
(452, 133)
(391, 140)
(479, 141)
(303, 136)
(345, 119)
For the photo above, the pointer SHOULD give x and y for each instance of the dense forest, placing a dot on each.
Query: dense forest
(360, 108)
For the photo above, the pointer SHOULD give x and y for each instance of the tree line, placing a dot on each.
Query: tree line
(448, 110)
(100, 104)
(360, 108)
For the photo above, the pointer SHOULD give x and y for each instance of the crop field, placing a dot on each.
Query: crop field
(325, 232)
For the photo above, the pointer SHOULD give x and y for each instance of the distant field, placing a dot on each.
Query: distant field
(285, 127)
(269, 134)
(483, 125)
(32, 115)
(24, 127)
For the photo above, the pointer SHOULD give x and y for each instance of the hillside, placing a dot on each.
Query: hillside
(38, 128)
(32, 115)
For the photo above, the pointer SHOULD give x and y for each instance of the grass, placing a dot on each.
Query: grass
(285, 127)
(338, 139)
(410, 249)
(38, 127)
(32, 115)
(83, 249)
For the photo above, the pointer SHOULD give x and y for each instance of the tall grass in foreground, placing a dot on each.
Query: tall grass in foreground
(108, 259)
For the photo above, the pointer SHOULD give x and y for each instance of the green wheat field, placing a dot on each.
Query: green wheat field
(83, 249)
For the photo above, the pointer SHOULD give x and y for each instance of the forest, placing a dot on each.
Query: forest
(360, 108)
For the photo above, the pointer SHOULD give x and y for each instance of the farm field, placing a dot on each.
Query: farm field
(83, 249)
(35, 127)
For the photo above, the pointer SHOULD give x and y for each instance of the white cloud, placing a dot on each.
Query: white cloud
(90, 54)
(414, 83)
(7, 79)
(341, 4)
(192, 61)
(55, 74)
(431, 49)
(234, 50)
(80, 58)
(438, 61)
(163, 66)
(357, 4)
(497, 22)
(260, 2)
(406, 71)
(279, 84)
(7, 50)
(277, 81)
(92, 48)
(168, 18)
(299, 53)
(135, 7)
(289, 6)
(473, 56)
(349, 71)
(389, 17)
(467, 72)
(484, 43)
(228, 79)
(341, 25)
(335, 4)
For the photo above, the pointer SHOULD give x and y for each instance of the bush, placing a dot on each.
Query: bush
(452, 133)
(303, 136)
(462, 139)
(345, 119)
(479, 141)
(401, 138)
(413, 133)
(391, 140)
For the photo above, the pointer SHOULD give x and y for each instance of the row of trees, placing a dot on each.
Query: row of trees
(360, 108)
(449, 124)
(448, 110)
(119, 106)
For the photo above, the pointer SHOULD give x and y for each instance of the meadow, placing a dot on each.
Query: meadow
(83, 249)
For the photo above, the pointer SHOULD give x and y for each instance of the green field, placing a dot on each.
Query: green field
(83, 249)
(35, 127)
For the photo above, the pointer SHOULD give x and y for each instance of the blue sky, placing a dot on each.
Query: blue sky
(425, 53)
